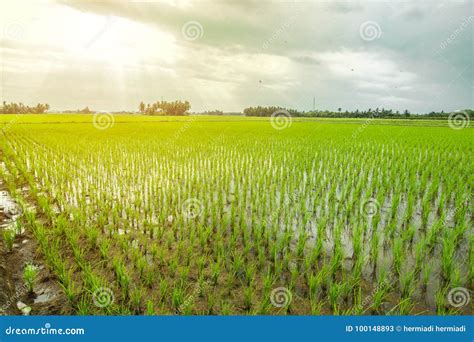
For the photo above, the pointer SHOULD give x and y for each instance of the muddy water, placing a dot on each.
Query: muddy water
(47, 297)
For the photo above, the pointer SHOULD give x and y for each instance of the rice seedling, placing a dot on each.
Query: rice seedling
(30, 274)
(8, 238)
(177, 297)
(136, 299)
(150, 308)
(248, 295)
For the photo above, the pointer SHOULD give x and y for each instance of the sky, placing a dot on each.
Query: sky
(229, 55)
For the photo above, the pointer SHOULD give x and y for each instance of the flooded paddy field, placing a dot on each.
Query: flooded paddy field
(199, 216)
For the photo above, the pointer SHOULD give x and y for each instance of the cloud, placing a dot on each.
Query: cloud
(367, 70)
(345, 6)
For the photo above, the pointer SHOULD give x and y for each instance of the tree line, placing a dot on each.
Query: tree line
(370, 113)
(174, 108)
(179, 108)
(268, 111)
(20, 108)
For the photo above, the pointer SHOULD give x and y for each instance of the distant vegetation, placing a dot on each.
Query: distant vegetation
(20, 108)
(268, 111)
(213, 112)
(175, 108)
(181, 108)
(370, 113)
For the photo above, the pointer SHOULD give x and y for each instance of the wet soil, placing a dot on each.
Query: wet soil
(47, 297)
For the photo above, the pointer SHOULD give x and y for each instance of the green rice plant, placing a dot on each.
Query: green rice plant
(455, 278)
(334, 295)
(265, 303)
(148, 278)
(83, 307)
(104, 247)
(211, 301)
(336, 260)
(358, 268)
(30, 276)
(357, 307)
(248, 295)
(420, 248)
(374, 246)
(183, 273)
(268, 281)
(316, 307)
(123, 278)
(91, 280)
(201, 263)
(250, 272)
(177, 297)
(403, 307)
(173, 266)
(447, 257)
(409, 234)
(357, 242)
(8, 238)
(300, 247)
(136, 299)
(71, 291)
(150, 308)
(17, 227)
(440, 299)
(406, 284)
(314, 285)
(238, 263)
(163, 290)
(398, 255)
(92, 234)
(426, 274)
(215, 272)
(141, 264)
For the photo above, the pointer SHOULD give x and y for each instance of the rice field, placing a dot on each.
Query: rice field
(201, 215)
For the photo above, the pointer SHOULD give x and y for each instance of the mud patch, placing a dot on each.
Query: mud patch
(47, 297)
